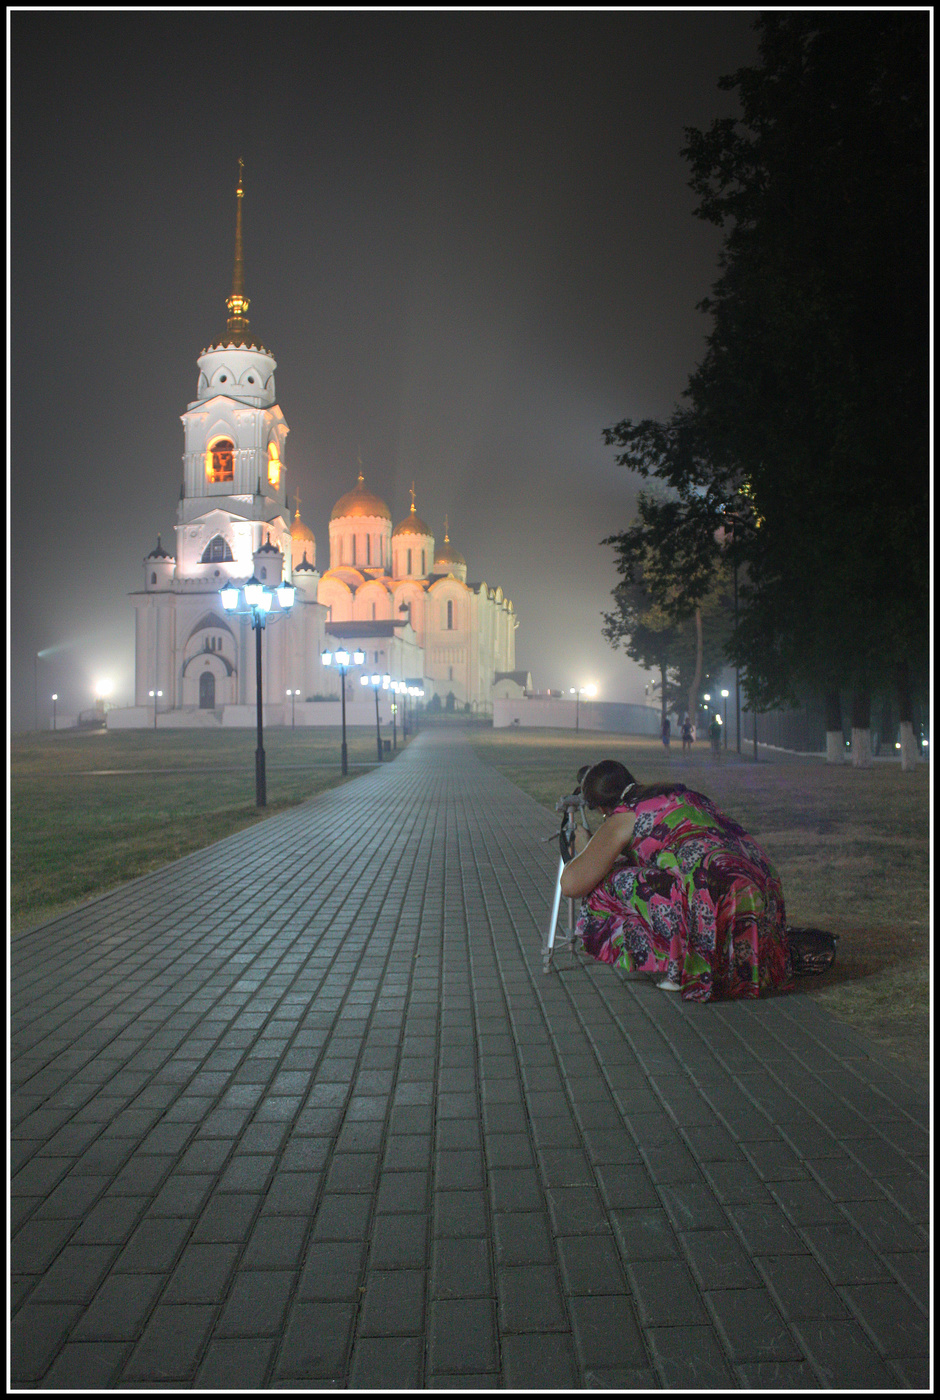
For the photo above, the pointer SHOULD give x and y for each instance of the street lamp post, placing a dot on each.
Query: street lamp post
(724, 696)
(54, 699)
(340, 659)
(154, 695)
(258, 600)
(376, 681)
(293, 694)
(395, 687)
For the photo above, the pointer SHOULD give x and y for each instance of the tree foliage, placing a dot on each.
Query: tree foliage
(806, 426)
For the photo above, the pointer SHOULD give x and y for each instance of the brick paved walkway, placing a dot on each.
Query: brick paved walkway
(301, 1110)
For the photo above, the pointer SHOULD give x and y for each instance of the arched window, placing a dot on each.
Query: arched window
(354, 550)
(450, 615)
(368, 549)
(220, 460)
(153, 578)
(409, 563)
(216, 551)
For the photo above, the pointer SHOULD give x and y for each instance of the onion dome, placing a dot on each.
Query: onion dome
(302, 541)
(159, 552)
(447, 557)
(359, 501)
(298, 530)
(305, 566)
(412, 523)
(267, 547)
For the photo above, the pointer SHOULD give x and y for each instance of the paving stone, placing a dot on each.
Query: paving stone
(539, 1361)
(461, 1268)
(86, 1366)
(387, 1363)
(750, 1326)
(171, 1343)
(462, 1336)
(331, 1270)
(235, 1364)
(392, 1302)
(119, 1308)
(842, 1354)
(689, 1358)
(799, 1286)
(606, 1334)
(885, 1312)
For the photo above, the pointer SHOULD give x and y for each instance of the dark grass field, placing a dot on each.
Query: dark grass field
(90, 810)
(851, 846)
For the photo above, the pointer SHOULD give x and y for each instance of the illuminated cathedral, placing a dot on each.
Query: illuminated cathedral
(388, 592)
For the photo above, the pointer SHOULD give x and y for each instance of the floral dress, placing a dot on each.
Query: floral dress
(692, 897)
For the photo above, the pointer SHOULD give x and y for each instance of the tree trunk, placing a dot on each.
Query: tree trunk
(696, 679)
(910, 749)
(835, 743)
(861, 728)
(662, 672)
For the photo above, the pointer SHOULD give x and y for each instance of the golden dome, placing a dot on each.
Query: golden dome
(298, 530)
(446, 554)
(412, 525)
(359, 501)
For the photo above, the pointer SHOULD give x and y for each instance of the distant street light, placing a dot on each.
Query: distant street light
(724, 696)
(54, 699)
(340, 659)
(258, 601)
(154, 695)
(590, 691)
(293, 694)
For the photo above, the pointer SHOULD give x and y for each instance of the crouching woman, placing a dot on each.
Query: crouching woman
(670, 885)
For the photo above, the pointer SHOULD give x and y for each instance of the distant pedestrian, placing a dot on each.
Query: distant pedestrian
(687, 735)
(714, 733)
(666, 731)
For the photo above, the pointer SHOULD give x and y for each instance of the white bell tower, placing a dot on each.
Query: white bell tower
(234, 490)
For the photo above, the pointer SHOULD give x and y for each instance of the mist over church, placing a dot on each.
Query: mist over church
(392, 592)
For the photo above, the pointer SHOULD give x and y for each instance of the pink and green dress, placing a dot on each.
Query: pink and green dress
(693, 898)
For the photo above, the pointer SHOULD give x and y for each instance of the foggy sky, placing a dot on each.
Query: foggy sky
(468, 243)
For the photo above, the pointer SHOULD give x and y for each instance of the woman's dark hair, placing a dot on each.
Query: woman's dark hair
(609, 784)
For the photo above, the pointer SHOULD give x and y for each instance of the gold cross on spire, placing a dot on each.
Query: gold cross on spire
(446, 535)
(238, 303)
(412, 498)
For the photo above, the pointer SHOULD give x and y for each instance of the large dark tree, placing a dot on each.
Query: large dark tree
(807, 420)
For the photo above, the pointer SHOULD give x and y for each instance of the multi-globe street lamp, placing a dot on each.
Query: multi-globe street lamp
(155, 696)
(340, 659)
(378, 683)
(258, 599)
(293, 695)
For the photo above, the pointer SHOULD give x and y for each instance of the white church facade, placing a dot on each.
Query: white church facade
(390, 593)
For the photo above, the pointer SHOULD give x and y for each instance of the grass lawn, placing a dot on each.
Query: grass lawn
(90, 810)
(851, 846)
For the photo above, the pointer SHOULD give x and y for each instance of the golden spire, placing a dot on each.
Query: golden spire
(412, 498)
(446, 535)
(237, 303)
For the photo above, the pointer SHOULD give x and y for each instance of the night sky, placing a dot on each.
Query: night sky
(469, 245)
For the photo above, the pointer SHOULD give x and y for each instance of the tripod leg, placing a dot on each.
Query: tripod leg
(549, 943)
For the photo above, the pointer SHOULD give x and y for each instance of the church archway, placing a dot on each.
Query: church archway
(207, 691)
